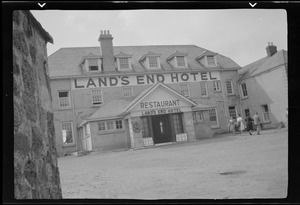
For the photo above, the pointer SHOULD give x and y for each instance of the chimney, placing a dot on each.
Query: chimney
(271, 49)
(106, 50)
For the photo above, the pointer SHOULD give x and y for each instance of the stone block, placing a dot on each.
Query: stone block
(37, 140)
(21, 143)
(30, 107)
(29, 78)
(19, 42)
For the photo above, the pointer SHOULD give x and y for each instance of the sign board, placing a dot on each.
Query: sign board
(143, 79)
(161, 111)
(148, 141)
(181, 137)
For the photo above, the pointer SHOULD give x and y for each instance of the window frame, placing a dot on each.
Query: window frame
(217, 119)
(128, 63)
(69, 99)
(177, 123)
(244, 89)
(157, 62)
(205, 86)
(218, 82)
(207, 61)
(89, 66)
(92, 97)
(231, 85)
(188, 89)
(110, 125)
(184, 62)
(264, 112)
(201, 117)
(72, 132)
(131, 91)
(235, 112)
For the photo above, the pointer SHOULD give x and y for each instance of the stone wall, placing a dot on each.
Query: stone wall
(36, 174)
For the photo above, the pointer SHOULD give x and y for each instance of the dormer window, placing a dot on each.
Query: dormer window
(91, 63)
(123, 61)
(151, 61)
(178, 60)
(208, 59)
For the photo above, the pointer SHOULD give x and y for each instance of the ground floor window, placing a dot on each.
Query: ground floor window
(177, 122)
(213, 118)
(232, 111)
(247, 112)
(67, 133)
(265, 112)
(110, 125)
(198, 116)
(146, 128)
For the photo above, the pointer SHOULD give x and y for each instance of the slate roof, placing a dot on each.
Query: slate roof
(66, 61)
(263, 64)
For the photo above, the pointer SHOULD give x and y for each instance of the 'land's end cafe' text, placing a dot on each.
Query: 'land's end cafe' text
(146, 79)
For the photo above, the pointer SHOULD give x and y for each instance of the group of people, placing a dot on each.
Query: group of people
(251, 124)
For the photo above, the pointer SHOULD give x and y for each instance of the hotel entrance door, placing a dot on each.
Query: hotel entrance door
(161, 129)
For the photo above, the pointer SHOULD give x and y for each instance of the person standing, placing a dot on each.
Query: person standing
(249, 122)
(256, 121)
(231, 126)
(240, 123)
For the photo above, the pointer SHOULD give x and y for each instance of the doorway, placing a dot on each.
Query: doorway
(161, 129)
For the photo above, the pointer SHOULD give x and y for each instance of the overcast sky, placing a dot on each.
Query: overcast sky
(241, 34)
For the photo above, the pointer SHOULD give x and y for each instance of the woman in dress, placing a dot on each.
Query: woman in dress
(240, 123)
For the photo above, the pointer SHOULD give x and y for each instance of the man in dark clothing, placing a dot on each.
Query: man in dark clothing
(249, 122)
(256, 121)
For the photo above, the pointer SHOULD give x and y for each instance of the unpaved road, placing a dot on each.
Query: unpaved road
(231, 167)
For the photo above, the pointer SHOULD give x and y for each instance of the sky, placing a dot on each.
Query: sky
(240, 34)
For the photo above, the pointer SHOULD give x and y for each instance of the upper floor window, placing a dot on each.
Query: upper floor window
(93, 65)
(97, 96)
(184, 90)
(244, 90)
(127, 92)
(64, 99)
(229, 87)
(203, 89)
(178, 59)
(210, 61)
(217, 85)
(123, 61)
(151, 60)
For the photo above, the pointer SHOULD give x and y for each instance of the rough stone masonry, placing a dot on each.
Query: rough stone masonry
(36, 174)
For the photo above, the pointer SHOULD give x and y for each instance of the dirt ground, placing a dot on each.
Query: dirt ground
(223, 167)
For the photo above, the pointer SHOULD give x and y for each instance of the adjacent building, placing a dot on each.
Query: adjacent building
(117, 97)
(264, 87)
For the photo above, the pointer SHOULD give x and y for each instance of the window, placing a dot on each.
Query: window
(153, 62)
(96, 96)
(265, 112)
(67, 133)
(247, 112)
(184, 90)
(217, 85)
(180, 61)
(177, 122)
(101, 126)
(244, 90)
(210, 61)
(232, 111)
(127, 91)
(229, 87)
(146, 127)
(64, 99)
(198, 116)
(203, 89)
(93, 65)
(124, 63)
(110, 125)
(213, 118)
(119, 124)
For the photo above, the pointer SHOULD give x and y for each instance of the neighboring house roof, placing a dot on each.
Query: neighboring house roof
(262, 65)
(66, 61)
